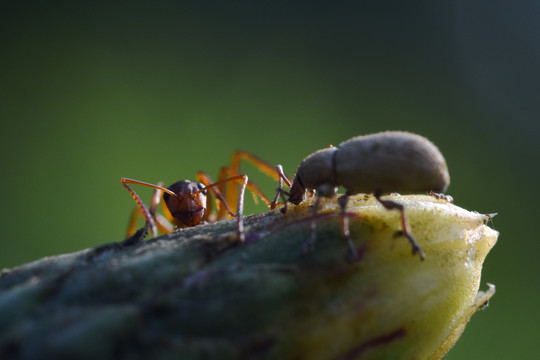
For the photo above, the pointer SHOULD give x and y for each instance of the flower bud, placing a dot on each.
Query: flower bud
(389, 303)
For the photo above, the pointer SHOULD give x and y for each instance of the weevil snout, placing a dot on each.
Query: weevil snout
(297, 192)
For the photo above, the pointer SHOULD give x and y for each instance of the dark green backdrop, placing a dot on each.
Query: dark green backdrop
(158, 90)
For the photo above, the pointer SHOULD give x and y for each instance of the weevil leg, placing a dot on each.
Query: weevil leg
(352, 254)
(309, 244)
(440, 196)
(405, 228)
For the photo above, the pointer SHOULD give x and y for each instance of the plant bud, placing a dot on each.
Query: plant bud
(389, 304)
(199, 293)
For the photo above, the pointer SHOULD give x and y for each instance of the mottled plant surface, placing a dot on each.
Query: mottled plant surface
(199, 294)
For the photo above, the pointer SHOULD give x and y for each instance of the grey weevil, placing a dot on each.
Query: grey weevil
(385, 162)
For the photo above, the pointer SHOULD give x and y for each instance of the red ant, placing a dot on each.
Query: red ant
(187, 203)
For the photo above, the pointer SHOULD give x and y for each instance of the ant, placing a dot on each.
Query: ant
(187, 203)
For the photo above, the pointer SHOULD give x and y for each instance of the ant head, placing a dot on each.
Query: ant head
(189, 204)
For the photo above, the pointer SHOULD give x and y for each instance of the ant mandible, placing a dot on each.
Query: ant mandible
(187, 203)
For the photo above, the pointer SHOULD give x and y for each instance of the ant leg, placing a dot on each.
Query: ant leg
(220, 198)
(133, 219)
(132, 224)
(352, 254)
(229, 206)
(309, 244)
(405, 229)
(282, 175)
(260, 164)
(215, 190)
(280, 192)
(208, 216)
(230, 191)
(156, 198)
(146, 213)
(240, 212)
(165, 225)
(156, 222)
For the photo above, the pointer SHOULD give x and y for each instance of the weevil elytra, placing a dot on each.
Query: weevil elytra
(386, 162)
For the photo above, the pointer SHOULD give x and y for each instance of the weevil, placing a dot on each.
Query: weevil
(187, 203)
(386, 162)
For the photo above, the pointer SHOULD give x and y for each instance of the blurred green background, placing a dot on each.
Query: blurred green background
(92, 92)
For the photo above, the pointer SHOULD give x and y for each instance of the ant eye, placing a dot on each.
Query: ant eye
(166, 196)
(202, 186)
